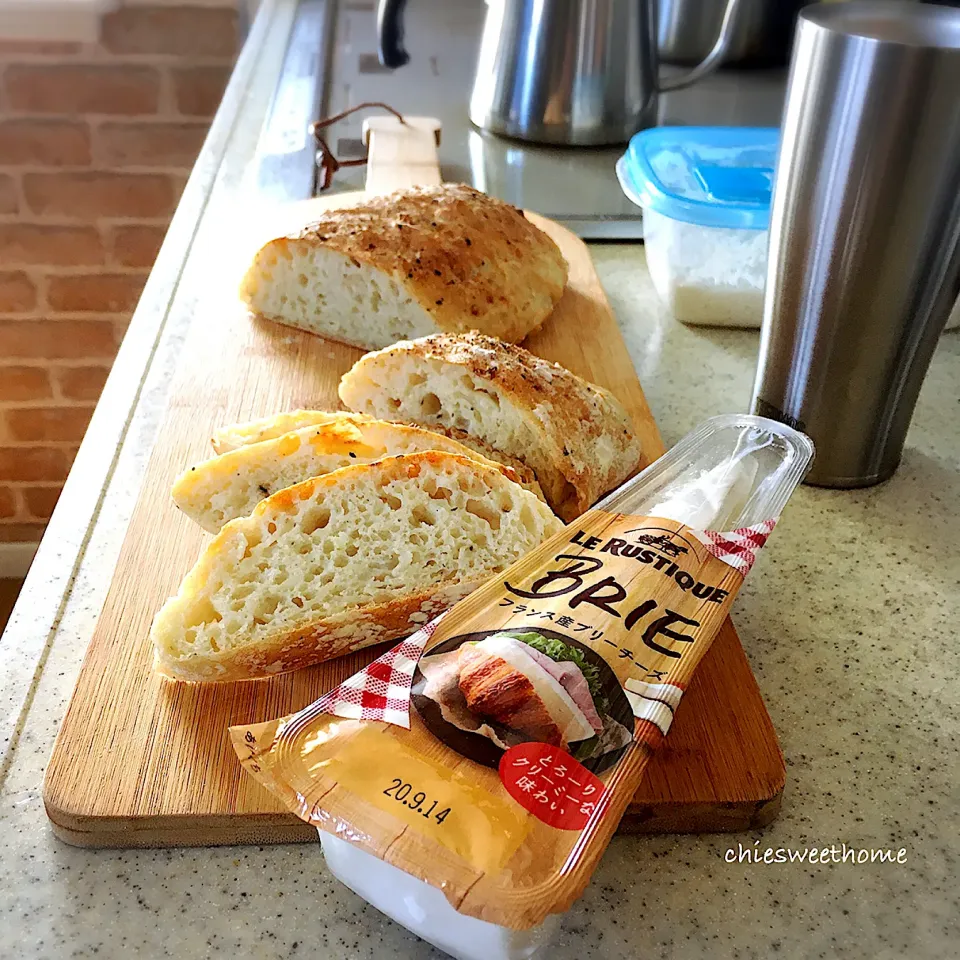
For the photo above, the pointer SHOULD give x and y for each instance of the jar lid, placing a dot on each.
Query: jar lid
(713, 176)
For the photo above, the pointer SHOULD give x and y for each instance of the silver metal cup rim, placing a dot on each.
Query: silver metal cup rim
(894, 22)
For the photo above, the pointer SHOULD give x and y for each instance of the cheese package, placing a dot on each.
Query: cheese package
(468, 781)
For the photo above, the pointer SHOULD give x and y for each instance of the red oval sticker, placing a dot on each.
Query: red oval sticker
(553, 786)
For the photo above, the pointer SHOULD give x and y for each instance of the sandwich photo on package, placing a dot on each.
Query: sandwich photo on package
(486, 692)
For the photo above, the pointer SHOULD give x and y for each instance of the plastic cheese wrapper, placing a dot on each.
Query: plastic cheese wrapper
(467, 782)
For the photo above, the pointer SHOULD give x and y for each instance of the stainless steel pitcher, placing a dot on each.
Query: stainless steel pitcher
(572, 72)
(761, 34)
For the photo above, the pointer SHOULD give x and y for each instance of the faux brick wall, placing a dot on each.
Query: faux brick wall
(96, 142)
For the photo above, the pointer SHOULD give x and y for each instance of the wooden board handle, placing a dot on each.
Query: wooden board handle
(401, 154)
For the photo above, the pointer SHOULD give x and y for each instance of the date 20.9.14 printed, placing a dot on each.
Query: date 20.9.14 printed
(401, 791)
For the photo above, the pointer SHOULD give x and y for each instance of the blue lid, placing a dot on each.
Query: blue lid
(714, 176)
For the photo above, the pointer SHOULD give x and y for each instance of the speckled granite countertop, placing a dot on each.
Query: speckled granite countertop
(848, 619)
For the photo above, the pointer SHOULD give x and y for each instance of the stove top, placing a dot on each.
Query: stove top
(331, 64)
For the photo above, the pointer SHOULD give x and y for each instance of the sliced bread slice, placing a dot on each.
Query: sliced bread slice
(574, 435)
(223, 488)
(414, 262)
(237, 435)
(266, 428)
(360, 556)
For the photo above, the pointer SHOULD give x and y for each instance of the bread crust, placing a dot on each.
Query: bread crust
(469, 260)
(238, 435)
(335, 637)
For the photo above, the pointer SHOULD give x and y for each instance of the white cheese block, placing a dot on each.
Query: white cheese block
(424, 910)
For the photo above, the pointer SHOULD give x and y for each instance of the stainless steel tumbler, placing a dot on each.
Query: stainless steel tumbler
(865, 230)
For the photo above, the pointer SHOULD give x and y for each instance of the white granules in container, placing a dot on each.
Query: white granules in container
(707, 275)
(705, 194)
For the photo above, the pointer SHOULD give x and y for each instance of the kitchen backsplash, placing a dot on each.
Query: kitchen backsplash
(96, 143)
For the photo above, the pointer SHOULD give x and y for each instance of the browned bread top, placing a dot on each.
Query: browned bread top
(469, 260)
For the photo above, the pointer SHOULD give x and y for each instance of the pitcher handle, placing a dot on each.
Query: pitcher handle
(712, 59)
(390, 49)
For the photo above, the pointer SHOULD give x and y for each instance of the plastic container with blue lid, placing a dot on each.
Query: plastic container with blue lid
(705, 194)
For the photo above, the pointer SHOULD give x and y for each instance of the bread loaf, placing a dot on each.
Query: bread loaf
(418, 261)
(360, 556)
(574, 435)
(231, 485)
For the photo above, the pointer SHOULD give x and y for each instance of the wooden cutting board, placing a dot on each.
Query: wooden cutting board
(143, 762)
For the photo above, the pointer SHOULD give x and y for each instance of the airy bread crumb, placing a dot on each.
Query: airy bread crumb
(576, 436)
(360, 556)
(266, 428)
(223, 488)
